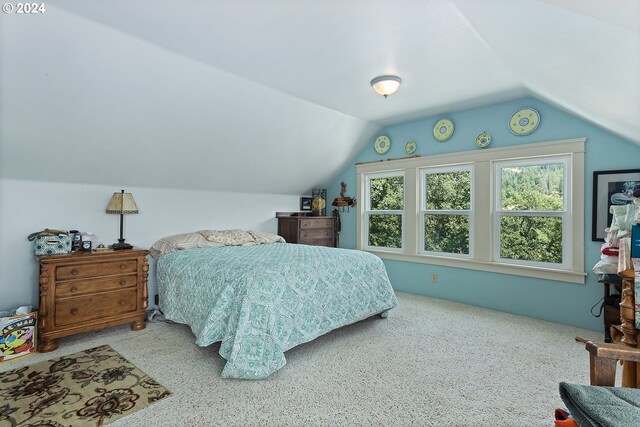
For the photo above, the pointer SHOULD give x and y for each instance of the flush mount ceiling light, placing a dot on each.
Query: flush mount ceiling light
(386, 85)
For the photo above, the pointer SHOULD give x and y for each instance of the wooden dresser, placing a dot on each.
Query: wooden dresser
(85, 291)
(308, 230)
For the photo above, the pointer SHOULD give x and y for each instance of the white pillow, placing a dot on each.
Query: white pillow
(228, 237)
(212, 238)
(262, 237)
(178, 242)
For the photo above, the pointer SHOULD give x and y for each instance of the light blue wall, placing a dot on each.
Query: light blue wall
(561, 302)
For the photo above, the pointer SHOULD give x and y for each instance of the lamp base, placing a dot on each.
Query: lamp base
(120, 245)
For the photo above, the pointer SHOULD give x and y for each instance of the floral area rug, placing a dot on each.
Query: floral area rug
(89, 388)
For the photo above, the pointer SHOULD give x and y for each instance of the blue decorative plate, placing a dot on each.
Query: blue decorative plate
(443, 130)
(382, 144)
(483, 140)
(410, 147)
(524, 121)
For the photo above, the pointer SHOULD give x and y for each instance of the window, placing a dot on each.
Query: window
(532, 212)
(384, 210)
(517, 210)
(446, 205)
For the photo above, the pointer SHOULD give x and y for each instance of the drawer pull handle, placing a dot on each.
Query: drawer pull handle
(74, 311)
(123, 302)
(123, 266)
(74, 289)
(74, 272)
(123, 282)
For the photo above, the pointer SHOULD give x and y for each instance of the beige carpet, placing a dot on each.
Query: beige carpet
(431, 363)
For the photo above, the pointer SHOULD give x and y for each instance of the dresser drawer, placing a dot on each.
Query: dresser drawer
(315, 233)
(73, 310)
(80, 287)
(76, 271)
(316, 223)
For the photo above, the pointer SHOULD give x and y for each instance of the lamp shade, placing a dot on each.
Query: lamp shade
(386, 85)
(122, 203)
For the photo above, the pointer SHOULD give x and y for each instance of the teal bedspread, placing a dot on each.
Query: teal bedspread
(260, 301)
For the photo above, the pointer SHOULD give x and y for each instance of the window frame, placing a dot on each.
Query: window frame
(369, 211)
(564, 214)
(424, 211)
(483, 194)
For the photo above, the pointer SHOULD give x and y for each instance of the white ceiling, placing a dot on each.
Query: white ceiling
(274, 96)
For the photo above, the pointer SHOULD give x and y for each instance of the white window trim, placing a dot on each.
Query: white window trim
(369, 211)
(423, 211)
(483, 208)
(565, 214)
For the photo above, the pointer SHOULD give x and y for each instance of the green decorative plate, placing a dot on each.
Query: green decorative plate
(382, 144)
(410, 147)
(443, 130)
(483, 140)
(524, 121)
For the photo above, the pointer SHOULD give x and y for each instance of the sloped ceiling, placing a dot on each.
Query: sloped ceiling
(274, 96)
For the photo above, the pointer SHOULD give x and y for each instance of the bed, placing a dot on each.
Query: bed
(262, 300)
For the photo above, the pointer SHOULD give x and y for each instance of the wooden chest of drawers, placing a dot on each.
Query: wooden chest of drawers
(86, 291)
(308, 230)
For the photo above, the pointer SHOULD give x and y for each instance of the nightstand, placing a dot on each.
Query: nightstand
(85, 291)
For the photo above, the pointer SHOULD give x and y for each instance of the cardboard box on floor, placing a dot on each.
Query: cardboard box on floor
(18, 335)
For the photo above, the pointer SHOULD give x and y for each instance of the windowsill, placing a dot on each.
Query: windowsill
(493, 267)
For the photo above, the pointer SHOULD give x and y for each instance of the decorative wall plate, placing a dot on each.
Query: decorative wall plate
(382, 144)
(524, 121)
(410, 147)
(443, 130)
(483, 140)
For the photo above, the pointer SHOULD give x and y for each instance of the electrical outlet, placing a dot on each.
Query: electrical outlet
(434, 277)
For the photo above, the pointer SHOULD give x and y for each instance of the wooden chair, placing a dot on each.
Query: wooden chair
(626, 333)
(593, 405)
(603, 359)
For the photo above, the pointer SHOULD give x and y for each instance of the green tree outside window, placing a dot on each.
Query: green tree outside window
(386, 194)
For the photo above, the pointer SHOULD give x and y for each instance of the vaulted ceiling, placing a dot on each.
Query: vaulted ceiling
(274, 96)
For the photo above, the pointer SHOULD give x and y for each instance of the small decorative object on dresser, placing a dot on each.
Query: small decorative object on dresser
(50, 242)
(305, 203)
(87, 291)
(344, 200)
(319, 202)
(307, 230)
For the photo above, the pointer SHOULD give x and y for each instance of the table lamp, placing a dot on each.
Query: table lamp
(120, 204)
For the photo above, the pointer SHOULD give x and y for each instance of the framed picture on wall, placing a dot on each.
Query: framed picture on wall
(611, 188)
(305, 203)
